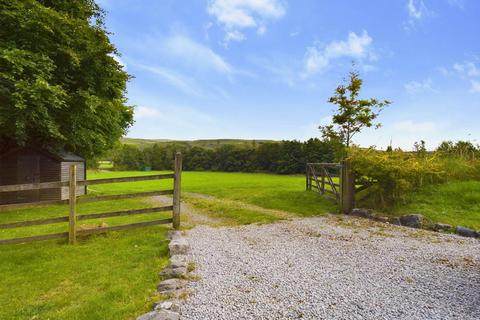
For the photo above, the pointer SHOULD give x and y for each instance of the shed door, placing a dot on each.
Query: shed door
(28, 171)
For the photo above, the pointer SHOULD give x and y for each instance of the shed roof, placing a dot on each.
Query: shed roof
(63, 156)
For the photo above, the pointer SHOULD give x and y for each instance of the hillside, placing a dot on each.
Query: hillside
(207, 143)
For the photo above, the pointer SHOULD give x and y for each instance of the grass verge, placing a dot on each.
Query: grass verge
(455, 203)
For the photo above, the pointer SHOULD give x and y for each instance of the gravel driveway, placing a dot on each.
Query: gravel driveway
(332, 268)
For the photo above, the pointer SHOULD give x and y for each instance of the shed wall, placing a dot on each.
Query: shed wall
(65, 176)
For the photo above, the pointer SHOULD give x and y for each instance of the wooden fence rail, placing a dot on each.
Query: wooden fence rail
(73, 218)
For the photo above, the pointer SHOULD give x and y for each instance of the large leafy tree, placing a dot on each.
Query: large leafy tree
(353, 113)
(60, 86)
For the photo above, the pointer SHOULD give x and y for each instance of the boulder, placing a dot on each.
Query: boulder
(178, 246)
(169, 272)
(172, 305)
(412, 220)
(395, 221)
(175, 234)
(466, 232)
(178, 260)
(171, 285)
(442, 227)
(160, 315)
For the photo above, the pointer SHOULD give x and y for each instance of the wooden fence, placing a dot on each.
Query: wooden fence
(73, 218)
(320, 178)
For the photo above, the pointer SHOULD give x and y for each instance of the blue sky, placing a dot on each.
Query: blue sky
(264, 69)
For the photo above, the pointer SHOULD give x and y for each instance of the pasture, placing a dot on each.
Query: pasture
(113, 276)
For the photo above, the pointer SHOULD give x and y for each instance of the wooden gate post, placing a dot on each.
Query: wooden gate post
(307, 178)
(347, 187)
(176, 190)
(72, 201)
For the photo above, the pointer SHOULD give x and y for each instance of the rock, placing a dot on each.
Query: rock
(168, 315)
(178, 260)
(442, 227)
(171, 285)
(412, 220)
(174, 234)
(170, 272)
(360, 212)
(172, 305)
(160, 315)
(148, 316)
(465, 232)
(178, 246)
(395, 221)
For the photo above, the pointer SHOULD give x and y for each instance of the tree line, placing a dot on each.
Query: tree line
(283, 157)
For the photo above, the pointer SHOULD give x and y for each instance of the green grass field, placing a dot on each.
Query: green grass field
(455, 203)
(114, 276)
(280, 192)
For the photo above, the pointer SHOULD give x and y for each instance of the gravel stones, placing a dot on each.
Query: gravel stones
(331, 268)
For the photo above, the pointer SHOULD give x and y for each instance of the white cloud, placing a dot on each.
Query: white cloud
(195, 54)
(183, 83)
(444, 71)
(467, 69)
(262, 30)
(241, 14)
(234, 35)
(471, 72)
(165, 119)
(415, 9)
(410, 126)
(475, 86)
(356, 46)
(414, 87)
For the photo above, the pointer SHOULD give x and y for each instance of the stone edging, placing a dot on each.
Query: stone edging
(415, 221)
(176, 276)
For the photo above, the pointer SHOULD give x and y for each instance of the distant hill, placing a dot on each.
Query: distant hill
(207, 143)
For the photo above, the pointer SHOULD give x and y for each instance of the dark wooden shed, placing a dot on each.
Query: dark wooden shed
(24, 165)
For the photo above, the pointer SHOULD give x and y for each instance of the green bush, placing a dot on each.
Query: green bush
(396, 174)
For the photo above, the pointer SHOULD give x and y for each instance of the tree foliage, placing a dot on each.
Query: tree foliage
(352, 114)
(60, 87)
(275, 157)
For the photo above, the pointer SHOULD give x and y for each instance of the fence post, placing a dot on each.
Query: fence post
(176, 190)
(347, 187)
(72, 201)
(307, 178)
